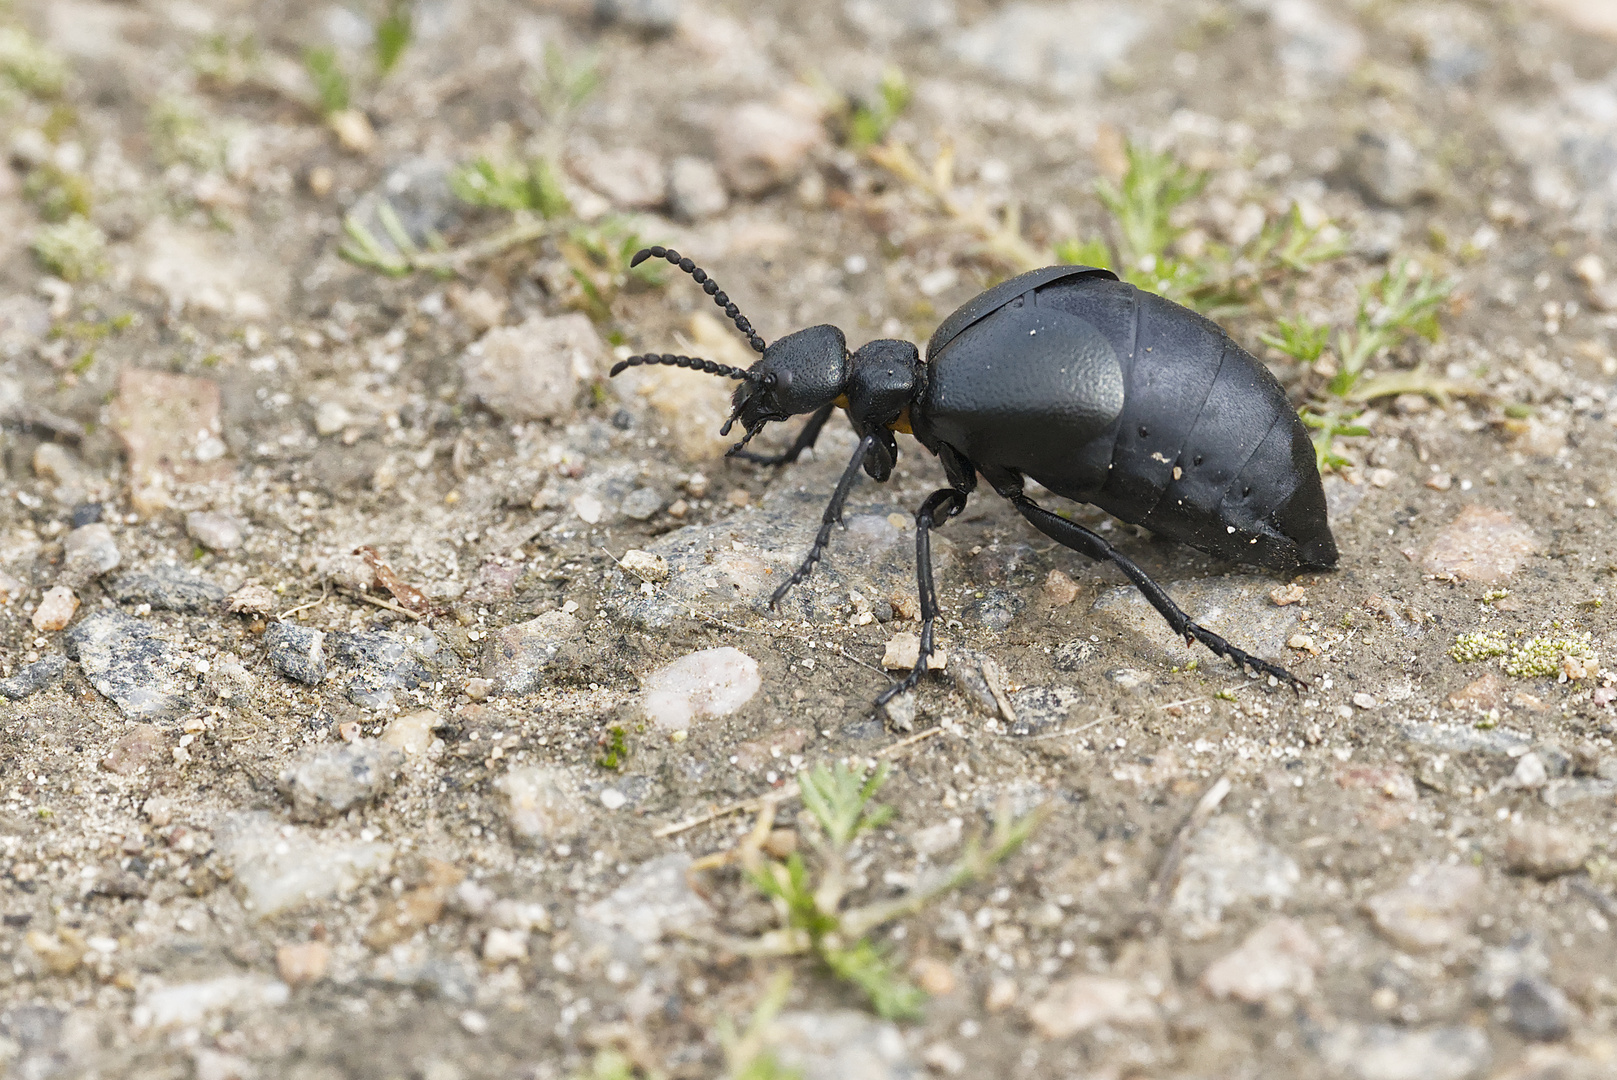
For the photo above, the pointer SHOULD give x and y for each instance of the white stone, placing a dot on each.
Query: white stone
(533, 371)
(279, 868)
(1278, 959)
(411, 732)
(1087, 1001)
(539, 803)
(762, 145)
(214, 531)
(189, 1004)
(55, 609)
(645, 566)
(904, 649)
(501, 946)
(706, 684)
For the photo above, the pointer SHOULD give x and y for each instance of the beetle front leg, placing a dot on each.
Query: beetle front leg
(1081, 540)
(948, 501)
(832, 516)
(804, 441)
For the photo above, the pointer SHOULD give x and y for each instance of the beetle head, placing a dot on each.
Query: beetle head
(798, 374)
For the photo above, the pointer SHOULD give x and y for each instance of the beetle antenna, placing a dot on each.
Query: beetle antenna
(745, 439)
(695, 363)
(709, 286)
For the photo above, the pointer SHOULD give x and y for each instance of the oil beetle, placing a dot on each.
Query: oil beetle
(1102, 393)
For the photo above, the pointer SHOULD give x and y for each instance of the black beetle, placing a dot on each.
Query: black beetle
(1101, 392)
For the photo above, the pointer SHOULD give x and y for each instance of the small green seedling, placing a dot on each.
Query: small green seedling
(869, 122)
(616, 749)
(73, 250)
(332, 88)
(747, 1055)
(393, 36)
(1482, 645)
(1328, 427)
(814, 921)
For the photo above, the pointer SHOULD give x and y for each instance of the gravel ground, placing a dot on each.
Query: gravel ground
(366, 649)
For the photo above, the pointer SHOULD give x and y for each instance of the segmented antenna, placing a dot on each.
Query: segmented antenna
(709, 286)
(695, 363)
(745, 439)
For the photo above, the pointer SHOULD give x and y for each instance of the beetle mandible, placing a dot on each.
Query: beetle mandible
(1101, 392)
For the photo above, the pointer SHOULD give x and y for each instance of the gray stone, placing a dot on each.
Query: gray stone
(166, 588)
(994, 610)
(1236, 606)
(1568, 143)
(1067, 47)
(1042, 708)
(695, 189)
(33, 678)
(280, 868)
(518, 655)
(632, 178)
(1544, 850)
(761, 146)
(419, 193)
(1569, 790)
(126, 663)
(1453, 39)
(1498, 969)
(1463, 738)
(640, 504)
(842, 1045)
(36, 1031)
(532, 371)
(1384, 1052)
(1538, 1010)
(655, 901)
(214, 531)
(1314, 48)
(654, 15)
(739, 562)
(891, 19)
(1227, 865)
(383, 661)
(541, 803)
(89, 551)
(297, 652)
(1432, 909)
(325, 781)
(1389, 170)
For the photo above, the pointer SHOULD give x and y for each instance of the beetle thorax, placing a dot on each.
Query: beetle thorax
(882, 381)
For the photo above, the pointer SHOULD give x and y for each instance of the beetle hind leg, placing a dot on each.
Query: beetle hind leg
(1075, 536)
(939, 507)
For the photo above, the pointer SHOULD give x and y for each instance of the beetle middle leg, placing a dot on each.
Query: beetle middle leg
(1081, 540)
(832, 516)
(939, 507)
(804, 441)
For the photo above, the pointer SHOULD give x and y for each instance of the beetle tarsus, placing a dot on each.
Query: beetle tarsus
(949, 501)
(831, 518)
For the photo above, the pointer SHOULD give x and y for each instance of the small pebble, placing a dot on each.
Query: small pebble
(1538, 1010)
(325, 781)
(934, 976)
(761, 146)
(613, 799)
(1288, 594)
(533, 371)
(214, 531)
(706, 684)
(1480, 544)
(904, 649)
(1365, 701)
(90, 551)
(645, 566)
(502, 946)
(1440, 481)
(55, 609)
(589, 509)
(297, 652)
(412, 732)
(1432, 909)
(1546, 851)
(166, 588)
(303, 963)
(479, 689)
(518, 655)
(640, 504)
(1060, 589)
(32, 678)
(1002, 994)
(539, 804)
(695, 189)
(1088, 1001)
(1276, 962)
(1382, 477)
(252, 600)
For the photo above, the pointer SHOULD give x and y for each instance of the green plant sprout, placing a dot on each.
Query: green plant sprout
(73, 250)
(869, 122)
(1393, 308)
(32, 68)
(747, 1055)
(810, 908)
(332, 88)
(615, 749)
(1302, 340)
(561, 85)
(222, 62)
(609, 1065)
(504, 184)
(1328, 427)
(393, 36)
(598, 258)
(1153, 186)
(57, 193)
